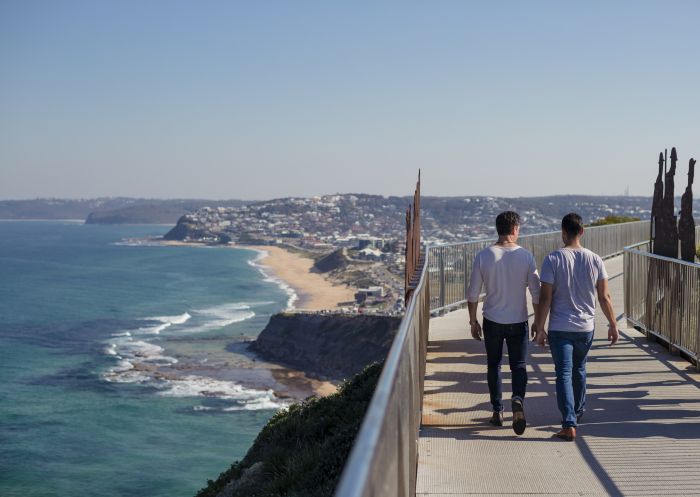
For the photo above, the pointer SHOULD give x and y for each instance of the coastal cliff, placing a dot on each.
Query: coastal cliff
(334, 346)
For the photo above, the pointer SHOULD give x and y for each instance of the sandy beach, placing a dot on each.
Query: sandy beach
(314, 291)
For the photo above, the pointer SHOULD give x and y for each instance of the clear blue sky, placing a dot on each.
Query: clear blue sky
(225, 99)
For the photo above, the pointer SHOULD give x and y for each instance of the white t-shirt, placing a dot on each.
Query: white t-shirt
(504, 272)
(574, 275)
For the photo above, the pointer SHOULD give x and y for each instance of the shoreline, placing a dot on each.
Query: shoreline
(307, 290)
(314, 291)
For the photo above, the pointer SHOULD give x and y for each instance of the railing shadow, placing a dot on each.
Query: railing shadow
(620, 406)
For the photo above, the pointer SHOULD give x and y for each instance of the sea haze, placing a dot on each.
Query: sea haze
(115, 377)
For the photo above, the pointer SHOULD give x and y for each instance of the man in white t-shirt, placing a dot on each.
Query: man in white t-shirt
(505, 270)
(571, 278)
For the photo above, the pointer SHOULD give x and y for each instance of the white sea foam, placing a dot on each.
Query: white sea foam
(291, 294)
(179, 319)
(163, 323)
(130, 352)
(139, 242)
(138, 357)
(220, 316)
(246, 398)
(124, 372)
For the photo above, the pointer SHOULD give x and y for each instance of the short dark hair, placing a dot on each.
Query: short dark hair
(572, 224)
(506, 222)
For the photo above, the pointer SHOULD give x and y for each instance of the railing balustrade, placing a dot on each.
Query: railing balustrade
(385, 454)
(662, 297)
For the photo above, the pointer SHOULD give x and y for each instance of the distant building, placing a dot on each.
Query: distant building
(370, 254)
(364, 294)
(370, 241)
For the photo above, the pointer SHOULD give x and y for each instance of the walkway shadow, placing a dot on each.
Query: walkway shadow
(621, 405)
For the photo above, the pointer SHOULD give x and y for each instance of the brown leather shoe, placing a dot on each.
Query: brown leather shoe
(568, 434)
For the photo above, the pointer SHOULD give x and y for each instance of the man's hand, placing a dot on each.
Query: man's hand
(541, 338)
(613, 334)
(533, 330)
(476, 330)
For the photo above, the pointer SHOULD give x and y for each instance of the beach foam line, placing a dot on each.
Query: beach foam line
(218, 316)
(283, 285)
(163, 323)
(138, 242)
(199, 386)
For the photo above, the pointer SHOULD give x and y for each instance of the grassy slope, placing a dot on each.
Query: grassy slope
(301, 451)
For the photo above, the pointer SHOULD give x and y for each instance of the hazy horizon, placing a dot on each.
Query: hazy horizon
(407, 195)
(218, 100)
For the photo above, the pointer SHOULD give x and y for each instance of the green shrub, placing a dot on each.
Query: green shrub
(697, 252)
(613, 220)
(302, 451)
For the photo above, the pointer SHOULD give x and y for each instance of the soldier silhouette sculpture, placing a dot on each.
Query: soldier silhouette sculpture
(665, 226)
(658, 198)
(686, 224)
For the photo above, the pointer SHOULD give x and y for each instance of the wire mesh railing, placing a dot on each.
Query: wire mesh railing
(662, 298)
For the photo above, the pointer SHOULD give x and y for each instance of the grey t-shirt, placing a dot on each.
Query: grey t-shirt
(505, 272)
(573, 274)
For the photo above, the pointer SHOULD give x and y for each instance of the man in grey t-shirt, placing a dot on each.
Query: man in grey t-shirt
(504, 270)
(571, 278)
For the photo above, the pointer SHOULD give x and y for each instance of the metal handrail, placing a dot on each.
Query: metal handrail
(384, 456)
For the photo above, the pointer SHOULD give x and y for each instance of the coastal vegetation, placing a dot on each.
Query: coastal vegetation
(301, 451)
(613, 220)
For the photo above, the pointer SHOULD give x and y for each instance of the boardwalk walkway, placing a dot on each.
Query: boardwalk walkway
(640, 434)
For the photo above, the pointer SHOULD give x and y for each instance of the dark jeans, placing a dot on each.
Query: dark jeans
(516, 338)
(569, 351)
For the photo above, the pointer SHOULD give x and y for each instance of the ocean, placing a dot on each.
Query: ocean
(118, 366)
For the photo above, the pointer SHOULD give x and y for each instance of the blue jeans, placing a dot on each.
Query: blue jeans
(569, 351)
(516, 337)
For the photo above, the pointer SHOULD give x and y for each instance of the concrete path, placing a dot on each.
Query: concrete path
(640, 434)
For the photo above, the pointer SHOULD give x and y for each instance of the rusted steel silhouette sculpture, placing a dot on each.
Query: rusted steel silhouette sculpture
(664, 288)
(686, 224)
(658, 197)
(665, 236)
(414, 258)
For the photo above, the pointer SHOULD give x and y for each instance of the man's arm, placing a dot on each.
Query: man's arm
(607, 306)
(473, 323)
(541, 315)
(475, 283)
(533, 284)
(536, 308)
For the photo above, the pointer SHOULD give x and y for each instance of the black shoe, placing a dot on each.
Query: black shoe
(496, 419)
(519, 422)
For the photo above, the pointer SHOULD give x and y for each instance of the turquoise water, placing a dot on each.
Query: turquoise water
(111, 357)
